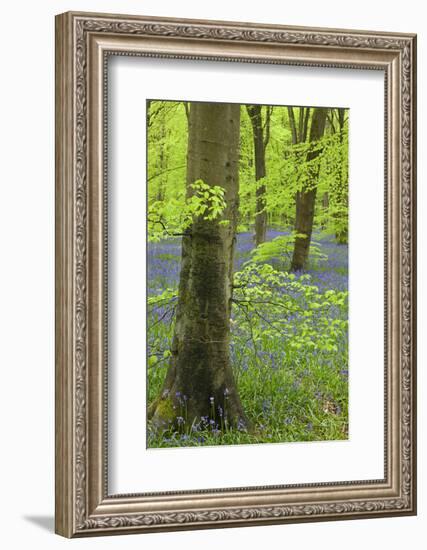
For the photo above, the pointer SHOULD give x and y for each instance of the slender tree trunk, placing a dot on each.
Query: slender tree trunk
(299, 135)
(162, 158)
(342, 194)
(199, 382)
(260, 144)
(306, 198)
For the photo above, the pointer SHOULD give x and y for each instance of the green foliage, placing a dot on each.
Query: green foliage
(274, 303)
(167, 296)
(207, 201)
(288, 172)
(174, 217)
(279, 251)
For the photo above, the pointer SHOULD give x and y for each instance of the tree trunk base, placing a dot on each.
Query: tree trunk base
(175, 411)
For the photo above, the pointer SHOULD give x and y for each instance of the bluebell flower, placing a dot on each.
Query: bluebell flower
(241, 426)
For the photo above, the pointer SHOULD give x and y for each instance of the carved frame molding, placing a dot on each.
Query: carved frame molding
(83, 43)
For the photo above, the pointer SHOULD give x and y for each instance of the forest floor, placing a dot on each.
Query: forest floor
(289, 393)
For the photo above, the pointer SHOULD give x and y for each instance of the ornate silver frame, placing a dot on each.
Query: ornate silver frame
(83, 505)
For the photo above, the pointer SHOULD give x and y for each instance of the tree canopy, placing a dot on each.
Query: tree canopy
(289, 163)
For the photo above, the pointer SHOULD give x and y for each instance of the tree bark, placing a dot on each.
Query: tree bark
(306, 198)
(298, 136)
(200, 382)
(255, 115)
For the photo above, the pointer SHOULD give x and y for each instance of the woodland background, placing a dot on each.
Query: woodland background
(272, 175)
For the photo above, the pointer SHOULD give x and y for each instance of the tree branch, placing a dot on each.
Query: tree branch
(165, 229)
(165, 171)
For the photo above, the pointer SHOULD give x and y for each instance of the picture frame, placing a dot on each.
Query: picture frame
(84, 42)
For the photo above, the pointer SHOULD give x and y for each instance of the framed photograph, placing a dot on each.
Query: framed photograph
(235, 274)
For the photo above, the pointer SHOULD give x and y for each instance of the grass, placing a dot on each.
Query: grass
(288, 395)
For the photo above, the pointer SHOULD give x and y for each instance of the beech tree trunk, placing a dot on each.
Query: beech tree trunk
(260, 144)
(306, 198)
(200, 382)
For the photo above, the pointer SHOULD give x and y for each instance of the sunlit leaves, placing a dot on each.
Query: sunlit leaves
(280, 250)
(174, 217)
(288, 172)
(271, 303)
(207, 201)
